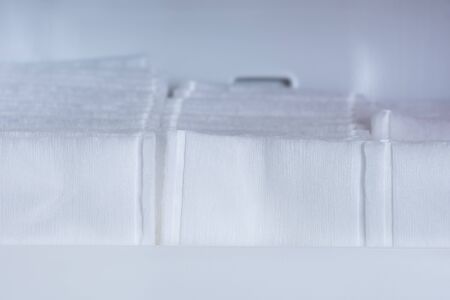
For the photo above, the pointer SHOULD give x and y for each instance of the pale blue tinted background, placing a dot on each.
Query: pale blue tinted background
(381, 48)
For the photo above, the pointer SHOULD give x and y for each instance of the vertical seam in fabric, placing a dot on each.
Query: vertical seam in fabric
(140, 205)
(362, 198)
(391, 178)
(140, 198)
(391, 198)
(159, 182)
(181, 152)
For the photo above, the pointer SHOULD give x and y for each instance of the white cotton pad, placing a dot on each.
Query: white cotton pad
(407, 175)
(262, 167)
(400, 127)
(420, 121)
(406, 194)
(264, 112)
(77, 148)
(421, 203)
(257, 191)
(69, 189)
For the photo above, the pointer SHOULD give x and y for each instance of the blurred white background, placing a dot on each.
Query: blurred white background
(381, 48)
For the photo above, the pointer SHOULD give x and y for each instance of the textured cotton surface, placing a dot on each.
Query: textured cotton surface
(255, 167)
(269, 191)
(377, 193)
(91, 152)
(93, 97)
(72, 143)
(278, 111)
(400, 127)
(421, 202)
(260, 167)
(68, 189)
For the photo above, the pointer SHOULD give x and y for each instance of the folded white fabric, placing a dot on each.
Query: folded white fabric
(377, 193)
(282, 167)
(273, 112)
(91, 153)
(407, 194)
(259, 191)
(67, 189)
(421, 205)
(400, 127)
(268, 167)
(408, 174)
(71, 152)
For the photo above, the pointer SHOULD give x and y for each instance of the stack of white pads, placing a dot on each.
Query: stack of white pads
(94, 152)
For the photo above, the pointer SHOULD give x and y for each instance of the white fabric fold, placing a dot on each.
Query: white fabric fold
(396, 126)
(378, 198)
(78, 153)
(68, 189)
(421, 205)
(91, 153)
(256, 191)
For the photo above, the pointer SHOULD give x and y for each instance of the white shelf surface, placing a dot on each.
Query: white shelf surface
(44, 272)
